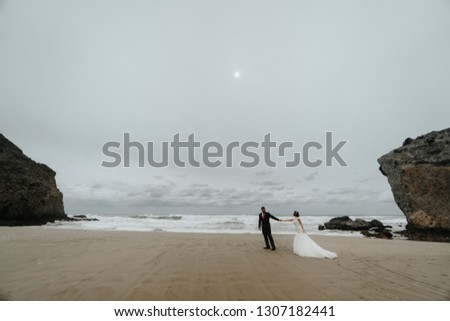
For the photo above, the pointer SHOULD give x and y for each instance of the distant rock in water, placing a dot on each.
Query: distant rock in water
(373, 228)
(28, 191)
(77, 218)
(419, 175)
(345, 223)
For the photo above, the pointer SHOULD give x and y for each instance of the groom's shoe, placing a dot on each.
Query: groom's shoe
(274, 248)
(266, 248)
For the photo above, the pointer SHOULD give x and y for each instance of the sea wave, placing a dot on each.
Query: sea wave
(209, 224)
(139, 216)
(157, 217)
(167, 217)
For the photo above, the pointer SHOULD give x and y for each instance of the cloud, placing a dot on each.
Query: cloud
(311, 176)
(165, 196)
(350, 195)
(273, 185)
(268, 183)
(168, 194)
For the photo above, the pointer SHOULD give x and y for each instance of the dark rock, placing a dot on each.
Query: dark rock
(378, 233)
(420, 235)
(345, 223)
(365, 233)
(77, 218)
(419, 175)
(28, 191)
(360, 224)
(407, 141)
(374, 228)
(377, 224)
(386, 234)
(339, 223)
(321, 227)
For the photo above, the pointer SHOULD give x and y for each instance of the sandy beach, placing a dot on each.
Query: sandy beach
(51, 264)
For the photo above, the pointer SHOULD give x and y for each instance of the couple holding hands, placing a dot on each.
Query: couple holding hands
(303, 244)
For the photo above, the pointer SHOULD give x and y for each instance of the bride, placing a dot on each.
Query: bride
(304, 245)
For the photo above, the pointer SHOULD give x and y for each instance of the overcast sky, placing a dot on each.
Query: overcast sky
(77, 74)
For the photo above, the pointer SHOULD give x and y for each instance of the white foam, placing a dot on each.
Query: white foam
(211, 224)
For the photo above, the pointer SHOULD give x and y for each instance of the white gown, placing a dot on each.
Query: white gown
(305, 246)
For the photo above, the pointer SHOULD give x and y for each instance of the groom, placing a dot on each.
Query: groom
(264, 221)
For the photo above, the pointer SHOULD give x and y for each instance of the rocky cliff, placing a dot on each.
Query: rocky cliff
(419, 175)
(28, 191)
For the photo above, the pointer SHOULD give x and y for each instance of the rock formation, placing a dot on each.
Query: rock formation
(419, 175)
(378, 233)
(77, 218)
(28, 191)
(345, 223)
(373, 228)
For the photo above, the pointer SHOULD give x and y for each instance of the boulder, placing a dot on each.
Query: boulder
(345, 223)
(77, 218)
(374, 228)
(28, 191)
(419, 175)
(378, 224)
(378, 233)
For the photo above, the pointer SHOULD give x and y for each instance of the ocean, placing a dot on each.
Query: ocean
(215, 223)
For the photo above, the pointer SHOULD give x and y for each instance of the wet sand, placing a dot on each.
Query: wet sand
(51, 264)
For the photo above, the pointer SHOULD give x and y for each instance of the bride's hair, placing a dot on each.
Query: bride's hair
(296, 214)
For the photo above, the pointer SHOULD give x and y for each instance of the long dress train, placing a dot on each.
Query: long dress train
(305, 246)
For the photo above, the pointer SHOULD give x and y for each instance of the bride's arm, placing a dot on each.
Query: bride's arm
(288, 220)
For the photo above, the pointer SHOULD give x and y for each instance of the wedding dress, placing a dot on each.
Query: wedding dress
(305, 246)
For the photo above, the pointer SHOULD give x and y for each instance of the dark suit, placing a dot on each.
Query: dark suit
(266, 230)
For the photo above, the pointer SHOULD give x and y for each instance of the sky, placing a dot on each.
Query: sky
(75, 75)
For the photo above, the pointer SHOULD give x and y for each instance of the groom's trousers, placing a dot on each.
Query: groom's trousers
(267, 233)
